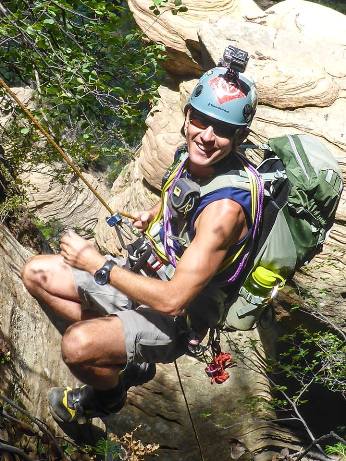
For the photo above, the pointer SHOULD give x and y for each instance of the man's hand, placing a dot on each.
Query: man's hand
(80, 253)
(143, 218)
(142, 221)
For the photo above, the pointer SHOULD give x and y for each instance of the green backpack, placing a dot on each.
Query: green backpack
(303, 185)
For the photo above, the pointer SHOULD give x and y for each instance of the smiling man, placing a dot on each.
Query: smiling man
(123, 322)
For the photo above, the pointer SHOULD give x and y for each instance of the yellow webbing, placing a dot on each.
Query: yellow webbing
(159, 216)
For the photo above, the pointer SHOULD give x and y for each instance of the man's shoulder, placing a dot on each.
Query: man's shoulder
(221, 221)
(221, 213)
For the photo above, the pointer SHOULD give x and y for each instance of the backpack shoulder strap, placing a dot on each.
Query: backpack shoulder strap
(234, 178)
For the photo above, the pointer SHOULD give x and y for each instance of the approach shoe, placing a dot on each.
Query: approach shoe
(82, 403)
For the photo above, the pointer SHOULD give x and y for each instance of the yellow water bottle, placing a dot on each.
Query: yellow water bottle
(260, 286)
(261, 282)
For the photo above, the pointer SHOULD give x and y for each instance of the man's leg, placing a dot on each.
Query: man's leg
(50, 280)
(94, 350)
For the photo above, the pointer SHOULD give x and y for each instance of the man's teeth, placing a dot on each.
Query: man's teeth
(201, 147)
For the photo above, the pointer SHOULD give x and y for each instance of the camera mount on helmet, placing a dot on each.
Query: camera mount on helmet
(235, 60)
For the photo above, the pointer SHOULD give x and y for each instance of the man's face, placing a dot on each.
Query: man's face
(208, 140)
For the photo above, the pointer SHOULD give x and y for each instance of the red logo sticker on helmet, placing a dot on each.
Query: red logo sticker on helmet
(225, 91)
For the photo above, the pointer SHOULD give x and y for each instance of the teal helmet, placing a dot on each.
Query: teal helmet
(230, 99)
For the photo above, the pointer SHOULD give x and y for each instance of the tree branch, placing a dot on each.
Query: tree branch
(14, 450)
(39, 423)
(73, 12)
(319, 439)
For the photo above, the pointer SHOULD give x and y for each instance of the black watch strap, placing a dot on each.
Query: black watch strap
(102, 275)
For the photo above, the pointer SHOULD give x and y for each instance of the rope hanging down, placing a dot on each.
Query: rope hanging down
(56, 146)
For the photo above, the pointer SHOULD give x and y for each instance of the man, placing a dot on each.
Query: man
(198, 245)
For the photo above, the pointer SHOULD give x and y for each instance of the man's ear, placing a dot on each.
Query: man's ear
(186, 123)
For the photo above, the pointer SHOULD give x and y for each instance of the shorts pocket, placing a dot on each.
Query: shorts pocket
(156, 351)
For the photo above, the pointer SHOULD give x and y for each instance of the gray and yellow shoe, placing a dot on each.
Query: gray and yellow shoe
(83, 403)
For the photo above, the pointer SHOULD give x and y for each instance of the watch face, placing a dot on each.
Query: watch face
(101, 276)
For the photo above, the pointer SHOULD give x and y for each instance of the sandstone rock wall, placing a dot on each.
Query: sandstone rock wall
(70, 203)
(179, 32)
(35, 362)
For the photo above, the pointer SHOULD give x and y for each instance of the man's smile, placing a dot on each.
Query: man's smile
(206, 151)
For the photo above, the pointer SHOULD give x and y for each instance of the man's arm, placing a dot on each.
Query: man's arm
(220, 225)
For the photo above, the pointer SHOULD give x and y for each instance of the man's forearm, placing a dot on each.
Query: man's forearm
(158, 294)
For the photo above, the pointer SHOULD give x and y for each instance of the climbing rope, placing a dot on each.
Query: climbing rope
(188, 411)
(56, 146)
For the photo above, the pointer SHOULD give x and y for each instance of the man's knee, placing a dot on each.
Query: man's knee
(76, 345)
(97, 342)
(39, 271)
(32, 274)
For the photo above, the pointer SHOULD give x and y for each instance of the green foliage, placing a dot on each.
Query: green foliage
(109, 448)
(338, 5)
(337, 449)
(5, 357)
(51, 231)
(314, 358)
(308, 358)
(94, 80)
(175, 7)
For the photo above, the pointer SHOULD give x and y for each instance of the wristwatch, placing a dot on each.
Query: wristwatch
(102, 275)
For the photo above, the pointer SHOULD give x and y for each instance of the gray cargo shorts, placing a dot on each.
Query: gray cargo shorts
(150, 336)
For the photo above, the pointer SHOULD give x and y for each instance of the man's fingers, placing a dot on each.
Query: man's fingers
(144, 216)
(67, 235)
(69, 232)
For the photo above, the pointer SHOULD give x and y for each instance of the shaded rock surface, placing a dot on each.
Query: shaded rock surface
(220, 413)
(34, 343)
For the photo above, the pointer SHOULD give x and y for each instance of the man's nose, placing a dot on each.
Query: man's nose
(208, 134)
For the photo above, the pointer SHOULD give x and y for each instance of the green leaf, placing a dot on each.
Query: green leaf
(25, 130)
(30, 30)
(49, 21)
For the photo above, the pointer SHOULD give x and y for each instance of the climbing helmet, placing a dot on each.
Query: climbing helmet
(229, 98)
